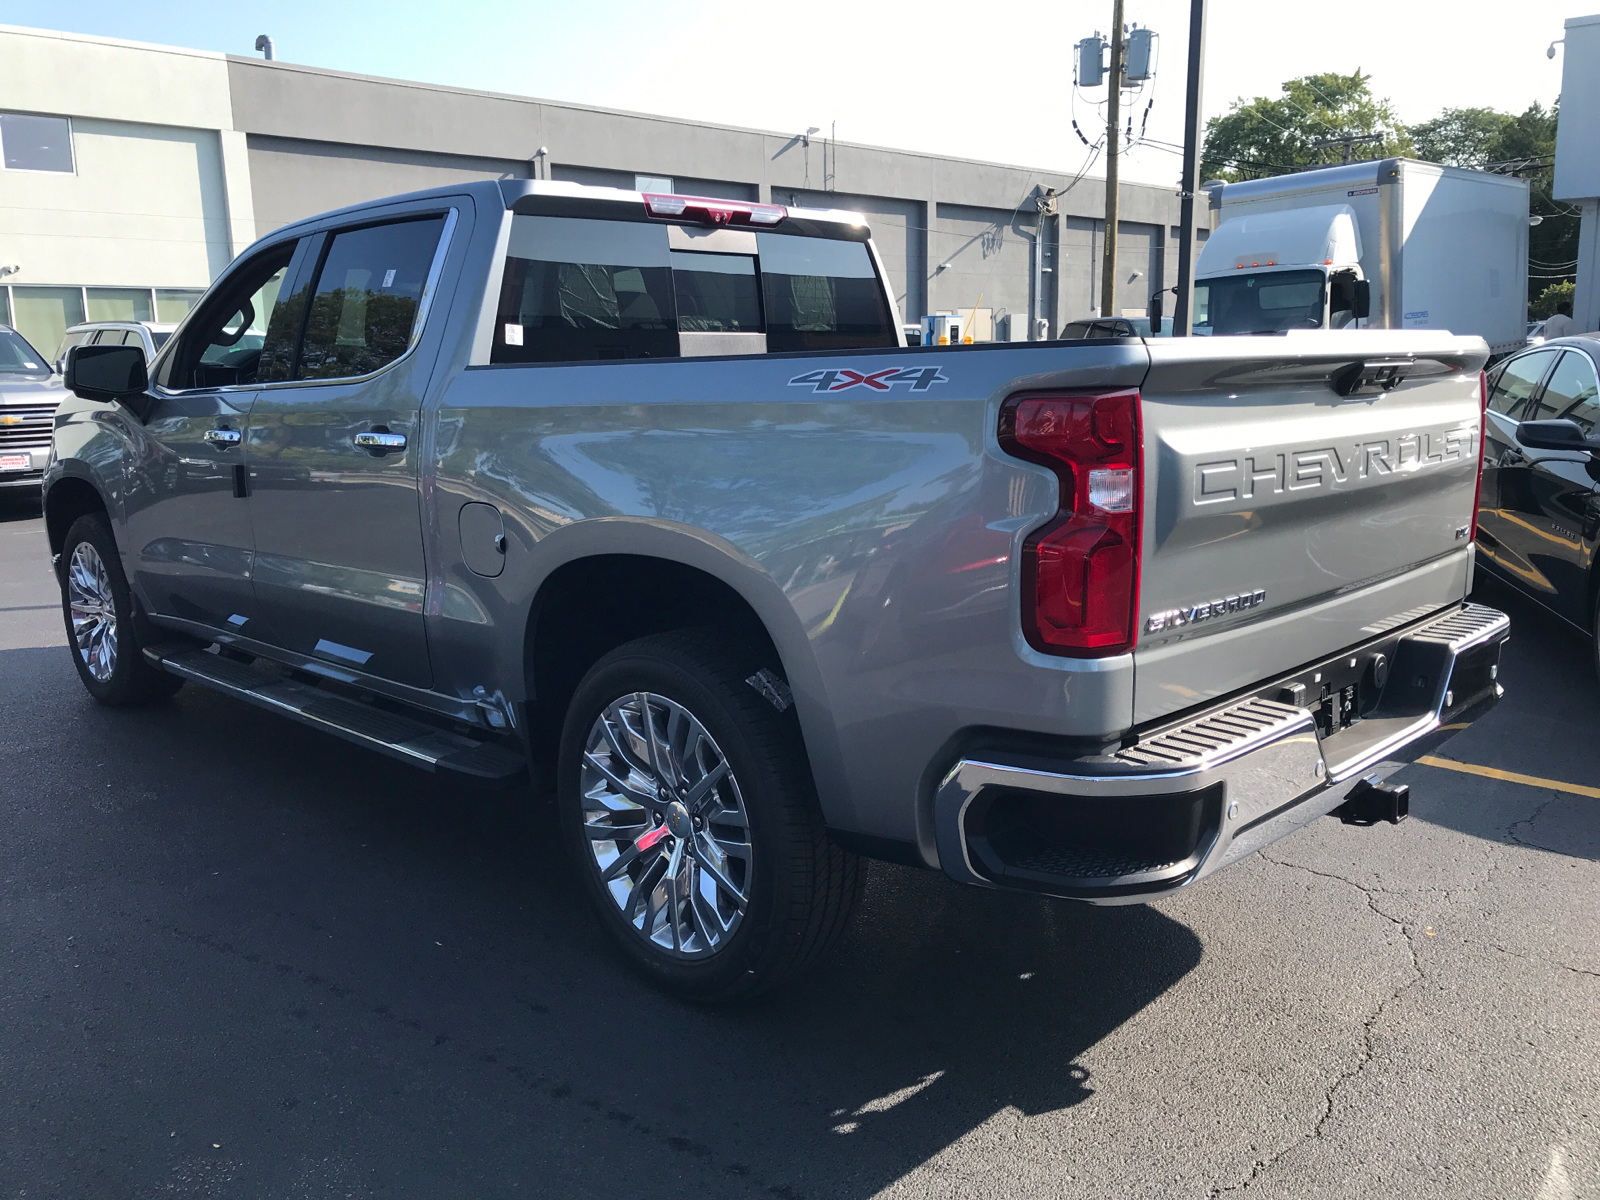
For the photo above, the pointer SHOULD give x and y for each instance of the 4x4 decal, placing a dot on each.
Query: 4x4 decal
(920, 379)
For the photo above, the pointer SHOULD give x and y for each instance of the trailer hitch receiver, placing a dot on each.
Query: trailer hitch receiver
(1370, 802)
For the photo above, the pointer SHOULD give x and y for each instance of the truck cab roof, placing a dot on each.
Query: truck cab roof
(1281, 239)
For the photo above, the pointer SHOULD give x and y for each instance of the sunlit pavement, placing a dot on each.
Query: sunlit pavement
(240, 959)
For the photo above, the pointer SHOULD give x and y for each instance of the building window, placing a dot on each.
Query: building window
(173, 304)
(36, 143)
(118, 304)
(44, 313)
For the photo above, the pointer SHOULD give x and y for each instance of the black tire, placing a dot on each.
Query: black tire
(130, 679)
(801, 886)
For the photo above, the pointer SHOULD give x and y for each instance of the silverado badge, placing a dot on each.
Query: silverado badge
(1190, 613)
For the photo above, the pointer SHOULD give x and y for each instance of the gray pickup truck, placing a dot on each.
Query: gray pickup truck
(641, 501)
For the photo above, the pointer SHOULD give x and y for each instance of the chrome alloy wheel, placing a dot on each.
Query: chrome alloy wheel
(666, 824)
(94, 612)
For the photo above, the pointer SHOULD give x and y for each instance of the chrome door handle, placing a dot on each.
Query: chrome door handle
(223, 437)
(381, 441)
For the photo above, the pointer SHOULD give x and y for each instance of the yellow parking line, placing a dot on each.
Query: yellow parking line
(1449, 764)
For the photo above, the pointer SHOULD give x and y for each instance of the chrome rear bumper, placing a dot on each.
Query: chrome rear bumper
(1188, 800)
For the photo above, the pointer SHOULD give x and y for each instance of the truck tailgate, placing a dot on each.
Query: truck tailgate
(1282, 521)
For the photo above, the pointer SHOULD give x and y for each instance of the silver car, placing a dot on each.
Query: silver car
(30, 393)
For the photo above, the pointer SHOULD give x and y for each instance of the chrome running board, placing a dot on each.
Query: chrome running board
(400, 737)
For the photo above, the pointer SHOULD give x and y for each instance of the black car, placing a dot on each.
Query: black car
(1539, 510)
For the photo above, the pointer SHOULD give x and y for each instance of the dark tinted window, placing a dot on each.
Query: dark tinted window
(364, 305)
(19, 358)
(1517, 380)
(36, 143)
(1571, 383)
(578, 289)
(822, 295)
(716, 293)
(1097, 329)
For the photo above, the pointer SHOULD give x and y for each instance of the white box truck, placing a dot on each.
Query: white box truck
(1387, 244)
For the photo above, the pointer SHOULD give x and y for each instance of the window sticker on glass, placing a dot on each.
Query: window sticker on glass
(388, 277)
(513, 334)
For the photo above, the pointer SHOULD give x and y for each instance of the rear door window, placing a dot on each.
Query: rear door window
(1571, 384)
(1517, 381)
(364, 306)
(822, 295)
(577, 288)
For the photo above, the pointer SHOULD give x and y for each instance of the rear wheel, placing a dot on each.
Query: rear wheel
(687, 803)
(98, 609)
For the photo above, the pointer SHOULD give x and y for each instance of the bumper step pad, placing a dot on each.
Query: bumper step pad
(410, 741)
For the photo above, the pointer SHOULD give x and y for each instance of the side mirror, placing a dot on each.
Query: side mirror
(1363, 298)
(114, 373)
(1156, 303)
(1555, 435)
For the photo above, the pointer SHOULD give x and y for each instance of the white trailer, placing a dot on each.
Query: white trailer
(1388, 244)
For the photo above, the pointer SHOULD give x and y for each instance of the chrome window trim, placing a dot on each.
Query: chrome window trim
(424, 304)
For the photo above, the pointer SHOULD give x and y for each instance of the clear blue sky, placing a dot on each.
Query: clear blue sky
(982, 81)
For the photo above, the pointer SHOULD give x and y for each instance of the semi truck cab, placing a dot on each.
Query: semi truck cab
(1274, 271)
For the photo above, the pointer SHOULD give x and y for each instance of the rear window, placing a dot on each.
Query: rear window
(822, 295)
(579, 288)
(716, 293)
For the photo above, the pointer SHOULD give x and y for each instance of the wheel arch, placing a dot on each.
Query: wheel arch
(67, 498)
(606, 581)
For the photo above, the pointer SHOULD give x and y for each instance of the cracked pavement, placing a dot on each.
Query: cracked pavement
(242, 959)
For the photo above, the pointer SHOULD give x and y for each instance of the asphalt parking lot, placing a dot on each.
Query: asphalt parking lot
(241, 959)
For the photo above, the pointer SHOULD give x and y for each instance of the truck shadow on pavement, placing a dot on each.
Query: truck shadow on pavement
(307, 954)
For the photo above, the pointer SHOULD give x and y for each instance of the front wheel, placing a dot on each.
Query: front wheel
(687, 802)
(97, 606)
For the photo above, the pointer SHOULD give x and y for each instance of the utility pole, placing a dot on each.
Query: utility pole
(1108, 275)
(1183, 310)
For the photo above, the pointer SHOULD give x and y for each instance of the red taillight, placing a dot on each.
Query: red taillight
(711, 211)
(1080, 572)
(1483, 446)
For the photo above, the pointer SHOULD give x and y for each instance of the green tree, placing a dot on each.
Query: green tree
(1544, 304)
(1319, 119)
(1460, 137)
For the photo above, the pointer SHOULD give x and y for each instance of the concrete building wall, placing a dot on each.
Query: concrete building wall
(295, 178)
(630, 181)
(989, 252)
(146, 207)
